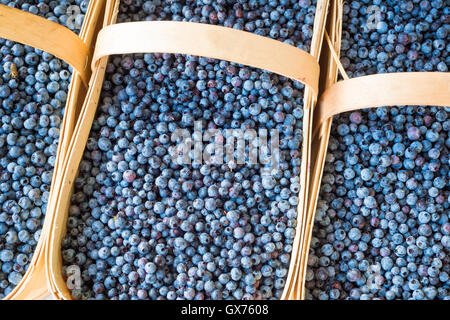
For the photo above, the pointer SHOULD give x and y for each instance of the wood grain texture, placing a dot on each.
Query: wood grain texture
(210, 41)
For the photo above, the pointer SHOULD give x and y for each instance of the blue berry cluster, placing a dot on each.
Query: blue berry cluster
(33, 91)
(382, 227)
(395, 36)
(141, 226)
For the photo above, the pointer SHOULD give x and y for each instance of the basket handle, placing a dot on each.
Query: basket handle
(209, 41)
(392, 89)
(389, 89)
(32, 30)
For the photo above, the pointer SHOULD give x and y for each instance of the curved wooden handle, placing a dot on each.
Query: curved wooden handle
(32, 30)
(208, 41)
(389, 89)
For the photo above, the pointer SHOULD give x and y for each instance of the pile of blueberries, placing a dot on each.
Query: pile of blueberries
(142, 226)
(33, 92)
(382, 227)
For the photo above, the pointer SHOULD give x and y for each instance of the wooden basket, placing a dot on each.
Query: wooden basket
(44, 274)
(381, 90)
(51, 37)
(176, 37)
